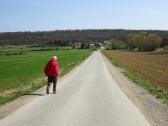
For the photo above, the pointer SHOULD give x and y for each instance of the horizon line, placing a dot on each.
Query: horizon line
(83, 30)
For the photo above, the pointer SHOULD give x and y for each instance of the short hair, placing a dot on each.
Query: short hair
(54, 58)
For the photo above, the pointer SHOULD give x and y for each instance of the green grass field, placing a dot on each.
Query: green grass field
(20, 74)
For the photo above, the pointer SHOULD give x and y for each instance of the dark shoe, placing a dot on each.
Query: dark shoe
(47, 92)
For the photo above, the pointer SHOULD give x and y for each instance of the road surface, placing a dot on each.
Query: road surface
(87, 97)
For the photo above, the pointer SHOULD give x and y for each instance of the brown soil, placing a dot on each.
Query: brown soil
(153, 109)
(150, 66)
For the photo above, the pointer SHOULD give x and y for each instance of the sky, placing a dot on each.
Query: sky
(46, 15)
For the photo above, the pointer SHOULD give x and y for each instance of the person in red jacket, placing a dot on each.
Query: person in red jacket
(52, 72)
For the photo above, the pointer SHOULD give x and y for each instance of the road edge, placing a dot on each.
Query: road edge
(14, 105)
(127, 87)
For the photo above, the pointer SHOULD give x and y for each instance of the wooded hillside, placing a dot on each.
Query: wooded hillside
(65, 37)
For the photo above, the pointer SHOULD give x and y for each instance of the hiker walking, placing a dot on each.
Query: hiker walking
(52, 72)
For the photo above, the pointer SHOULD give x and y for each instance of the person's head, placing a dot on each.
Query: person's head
(54, 58)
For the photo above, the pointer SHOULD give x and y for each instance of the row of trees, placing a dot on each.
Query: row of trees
(115, 44)
(142, 41)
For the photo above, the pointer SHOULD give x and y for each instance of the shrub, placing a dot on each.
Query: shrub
(144, 41)
(115, 44)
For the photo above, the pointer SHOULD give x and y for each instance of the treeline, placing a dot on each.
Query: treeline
(142, 41)
(115, 44)
(67, 37)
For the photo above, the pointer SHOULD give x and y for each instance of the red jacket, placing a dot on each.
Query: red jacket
(52, 68)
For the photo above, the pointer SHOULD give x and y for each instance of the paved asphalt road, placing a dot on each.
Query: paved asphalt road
(87, 97)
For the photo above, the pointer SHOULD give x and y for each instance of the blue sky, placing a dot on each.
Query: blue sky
(44, 15)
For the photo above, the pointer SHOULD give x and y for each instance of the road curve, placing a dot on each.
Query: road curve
(87, 97)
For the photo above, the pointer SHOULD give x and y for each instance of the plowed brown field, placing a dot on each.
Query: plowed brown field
(150, 66)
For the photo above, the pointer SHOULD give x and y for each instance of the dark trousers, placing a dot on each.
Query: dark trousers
(50, 81)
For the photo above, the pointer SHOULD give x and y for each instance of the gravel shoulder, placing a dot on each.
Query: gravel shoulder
(153, 109)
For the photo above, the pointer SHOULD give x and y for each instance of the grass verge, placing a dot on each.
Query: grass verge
(22, 74)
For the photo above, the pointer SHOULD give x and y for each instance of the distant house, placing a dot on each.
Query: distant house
(92, 45)
(80, 45)
(76, 45)
(107, 42)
